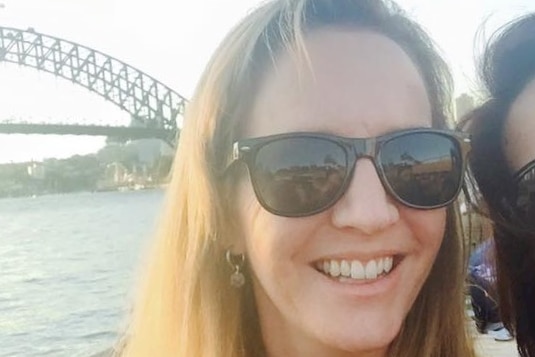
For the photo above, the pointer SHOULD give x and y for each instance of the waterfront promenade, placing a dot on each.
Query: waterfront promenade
(487, 347)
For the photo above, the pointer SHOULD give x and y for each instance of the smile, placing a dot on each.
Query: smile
(355, 270)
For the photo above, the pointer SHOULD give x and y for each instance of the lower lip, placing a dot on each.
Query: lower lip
(364, 288)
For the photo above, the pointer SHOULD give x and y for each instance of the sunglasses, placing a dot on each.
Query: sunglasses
(523, 197)
(301, 174)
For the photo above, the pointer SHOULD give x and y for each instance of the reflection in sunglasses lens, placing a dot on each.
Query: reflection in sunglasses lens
(423, 169)
(299, 175)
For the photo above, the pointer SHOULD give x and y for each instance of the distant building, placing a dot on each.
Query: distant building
(463, 104)
(36, 170)
(116, 173)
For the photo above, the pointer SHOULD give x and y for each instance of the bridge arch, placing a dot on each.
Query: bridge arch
(151, 103)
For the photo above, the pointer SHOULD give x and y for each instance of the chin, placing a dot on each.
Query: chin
(365, 337)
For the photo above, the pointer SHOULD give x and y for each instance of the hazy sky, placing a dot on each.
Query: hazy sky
(172, 41)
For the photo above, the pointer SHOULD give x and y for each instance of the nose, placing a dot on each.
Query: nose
(365, 205)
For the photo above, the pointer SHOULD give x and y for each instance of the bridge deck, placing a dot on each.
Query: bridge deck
(93, 130)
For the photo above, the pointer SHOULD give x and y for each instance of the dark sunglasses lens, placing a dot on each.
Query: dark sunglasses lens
(423, 169)
(299, 176)
(525, 199)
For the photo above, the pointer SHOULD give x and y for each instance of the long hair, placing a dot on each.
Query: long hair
(507, 66)
(186, 305)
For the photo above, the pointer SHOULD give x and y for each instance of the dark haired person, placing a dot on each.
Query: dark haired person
(503, 164)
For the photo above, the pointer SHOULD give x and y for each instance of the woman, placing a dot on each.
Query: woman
(502, 163)
(310, 209)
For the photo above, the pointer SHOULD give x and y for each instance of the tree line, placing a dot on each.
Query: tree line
(113, 167)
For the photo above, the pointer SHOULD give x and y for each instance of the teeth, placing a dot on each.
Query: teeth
(380, 265)
(371, 270)
(389, 261)
(345, 269)
(326, 266)
(355, 269)
(335, 269)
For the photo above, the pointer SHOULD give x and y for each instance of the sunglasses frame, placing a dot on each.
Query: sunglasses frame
(518, 179)
(524, 170)
(245, 150)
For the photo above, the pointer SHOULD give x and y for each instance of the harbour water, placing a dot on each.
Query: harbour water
(68, 265)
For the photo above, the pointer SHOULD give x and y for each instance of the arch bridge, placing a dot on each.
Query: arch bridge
(155, 108)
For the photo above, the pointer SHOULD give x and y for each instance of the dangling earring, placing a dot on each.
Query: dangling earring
(237, 279)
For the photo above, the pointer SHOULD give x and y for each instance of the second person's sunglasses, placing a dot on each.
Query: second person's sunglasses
(301, 174)
(522, 198)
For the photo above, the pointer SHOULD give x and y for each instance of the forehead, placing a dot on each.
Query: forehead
(352, 83)
(519, 138)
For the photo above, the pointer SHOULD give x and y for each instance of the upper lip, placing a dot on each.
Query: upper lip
(361, 256)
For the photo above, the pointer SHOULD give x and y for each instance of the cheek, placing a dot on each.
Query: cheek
(261, 233)
(427, 227)
(520, 129)
(270, 242)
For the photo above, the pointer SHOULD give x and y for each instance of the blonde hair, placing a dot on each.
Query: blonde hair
(187, 306)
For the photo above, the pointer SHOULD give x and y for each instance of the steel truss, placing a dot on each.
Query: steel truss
(151, 103)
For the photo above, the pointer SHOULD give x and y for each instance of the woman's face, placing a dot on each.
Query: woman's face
(360, 84)
(519, 143)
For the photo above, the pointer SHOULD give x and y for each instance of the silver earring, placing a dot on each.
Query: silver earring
(237, 279)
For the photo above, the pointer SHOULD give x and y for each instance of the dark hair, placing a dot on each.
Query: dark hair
(506, 67)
